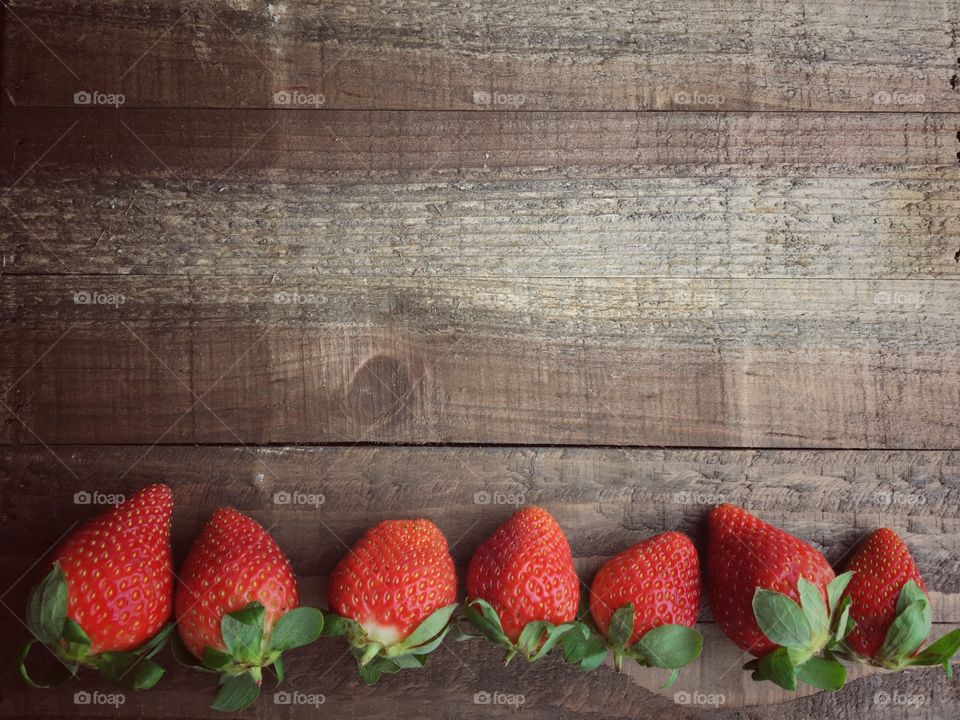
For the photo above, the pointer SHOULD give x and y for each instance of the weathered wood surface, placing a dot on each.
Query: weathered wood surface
(532, 194)
(893, 55)
(430, 253)
(605, 499)
(790, 363)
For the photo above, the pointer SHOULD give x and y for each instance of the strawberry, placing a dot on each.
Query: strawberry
(890, 606)
(110, 592)
(237, 607)
(776, 597)
(522, 588)
(645, 601)
(393, 596)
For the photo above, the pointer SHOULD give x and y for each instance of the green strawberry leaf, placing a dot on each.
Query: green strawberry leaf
(777, 666)
(910, 627)
(458, 633)
(555, 634)
(74, 634)
(216, 660)
(78, 642)
(301, 626)
(368, 675)
(337, 626)
(429, 647)
(584, 647)
(822, 673)
(668, 646)
(531, 636)
(621, 627)
(836, 587)
(842, 623)
(432, 626)
(55, 674)
(940, 652)
(129, 671)
(47, 607)
(368, 652)
(909, 594)
(237, 692)
(243, 632)
(811, 602)
(486, 621)
(781, 620)
(400, 662)
(278, 669)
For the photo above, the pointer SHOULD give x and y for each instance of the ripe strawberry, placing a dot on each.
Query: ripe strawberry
(659, 576)
(890, 606)
(648, 596)
(393, 595)
(110, 591)
(523, 573)
(758, 574)
(236, 606)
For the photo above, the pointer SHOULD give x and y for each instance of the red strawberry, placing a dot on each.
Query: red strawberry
(759, 577)
(523, 573)
(115, 574)
(236, 591)
(659, 576)
(650, 591)
(394, 593)
(886, 587)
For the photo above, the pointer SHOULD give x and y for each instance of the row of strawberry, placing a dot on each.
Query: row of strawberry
(109, 598)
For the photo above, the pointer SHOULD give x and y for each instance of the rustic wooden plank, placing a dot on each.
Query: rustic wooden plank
(604, 498)
(489, 55)
(355, 146)
(742, 363)
(300, 193)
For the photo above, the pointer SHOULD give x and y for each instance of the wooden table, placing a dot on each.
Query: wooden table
(435, 259)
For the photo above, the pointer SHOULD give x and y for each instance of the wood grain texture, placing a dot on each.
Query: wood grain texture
(605, 500)
(489, 55)
(610, 361)
(360, 194)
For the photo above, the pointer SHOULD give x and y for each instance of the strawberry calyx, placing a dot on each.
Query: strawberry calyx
(809, 634)
(70, 645)
(905, 635)
(249, 649)
(668, 646)
(374, 659)
(537, 638)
